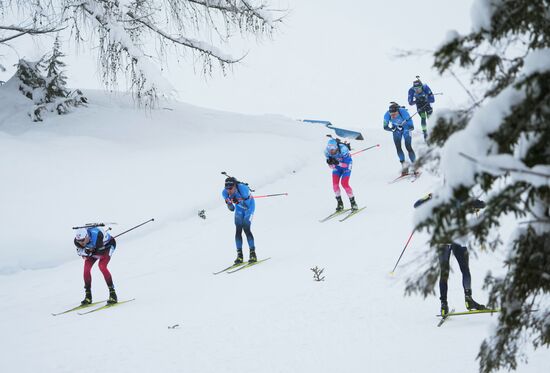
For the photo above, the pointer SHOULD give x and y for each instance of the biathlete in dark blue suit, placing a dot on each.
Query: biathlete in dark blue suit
(422, 96)
(339, 160)
(238, 198)
(460, 251)
(398, 121)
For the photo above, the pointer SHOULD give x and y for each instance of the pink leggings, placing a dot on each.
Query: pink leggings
(103, 261)
(345, 184)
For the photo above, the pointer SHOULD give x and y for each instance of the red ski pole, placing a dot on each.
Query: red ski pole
(362, 150)
(407, 244)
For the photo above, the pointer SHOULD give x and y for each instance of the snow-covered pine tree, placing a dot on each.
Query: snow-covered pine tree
(30, 78)
(56, 82)
(499, 146)
(56, 96)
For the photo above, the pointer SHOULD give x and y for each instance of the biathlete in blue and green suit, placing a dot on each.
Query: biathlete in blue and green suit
(238, 198)
(422, 96)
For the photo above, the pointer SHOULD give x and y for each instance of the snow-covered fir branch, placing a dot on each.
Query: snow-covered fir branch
(500, 148)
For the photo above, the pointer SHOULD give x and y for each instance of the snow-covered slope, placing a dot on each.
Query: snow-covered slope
(111, 162)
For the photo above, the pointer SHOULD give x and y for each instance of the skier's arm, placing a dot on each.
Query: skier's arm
(227, 200)
(411, 96)
(347, 157)
(407, 122)
(387, 122)
(428, 91)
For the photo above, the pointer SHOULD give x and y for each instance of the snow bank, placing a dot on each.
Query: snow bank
(113, 162)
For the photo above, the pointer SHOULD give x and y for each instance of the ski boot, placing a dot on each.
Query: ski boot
(353, 204)
(87, 298)
(404, 169)
(239, 259)
(340, 205)
(444, 308)
(112, 296)
(413, 170)
(470, 303)
(252, 258)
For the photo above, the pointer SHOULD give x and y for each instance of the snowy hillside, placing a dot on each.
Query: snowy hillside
(110, 162)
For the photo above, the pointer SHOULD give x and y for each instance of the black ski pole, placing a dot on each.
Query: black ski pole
(137, 226)
(402, 252)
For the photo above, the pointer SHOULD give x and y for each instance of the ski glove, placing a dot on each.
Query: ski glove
(332, 161)
(231, 207)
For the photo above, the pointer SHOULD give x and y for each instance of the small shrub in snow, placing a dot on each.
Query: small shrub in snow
(318, 274)
(49, 93)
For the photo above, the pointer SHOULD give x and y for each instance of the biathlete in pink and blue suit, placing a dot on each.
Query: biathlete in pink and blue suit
(339, 159)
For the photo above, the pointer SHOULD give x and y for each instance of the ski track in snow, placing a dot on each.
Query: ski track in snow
(268, 318)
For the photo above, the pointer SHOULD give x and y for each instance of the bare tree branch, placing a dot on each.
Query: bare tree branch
(198, 45)
(27, 31)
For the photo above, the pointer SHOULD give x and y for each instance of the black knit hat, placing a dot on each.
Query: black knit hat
(230, 182)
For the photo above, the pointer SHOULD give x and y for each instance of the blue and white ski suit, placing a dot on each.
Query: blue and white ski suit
(99, 243)
(244, 206)
(401, 126)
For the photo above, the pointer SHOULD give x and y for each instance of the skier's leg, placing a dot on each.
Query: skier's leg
(423, 122)
(247, 223)
(336, 183)
(408, 145)
(345, 183)
(88, 263)
(397, 135)
(239, 217)
(461, 255)
(103, 262)
(444, 257)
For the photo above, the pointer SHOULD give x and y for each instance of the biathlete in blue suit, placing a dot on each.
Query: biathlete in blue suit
(339, 159)
(238, 198)
(422, 96)
(398, 121)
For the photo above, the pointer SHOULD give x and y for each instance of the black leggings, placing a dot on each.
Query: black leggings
(461, 255)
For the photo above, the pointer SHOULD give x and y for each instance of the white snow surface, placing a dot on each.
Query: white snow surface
(112, 162)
